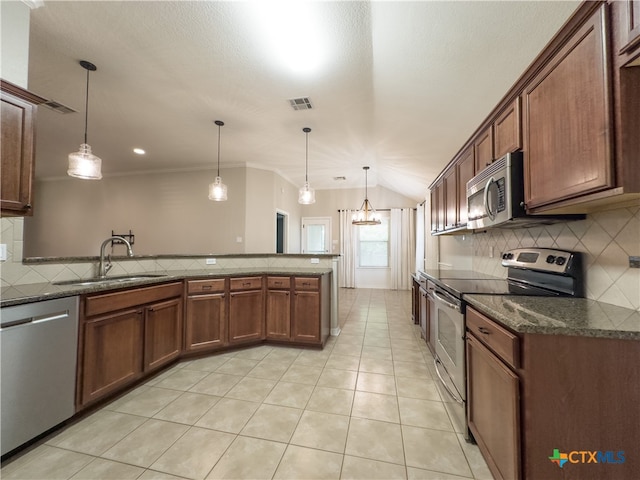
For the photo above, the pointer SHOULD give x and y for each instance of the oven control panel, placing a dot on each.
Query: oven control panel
(543, 259)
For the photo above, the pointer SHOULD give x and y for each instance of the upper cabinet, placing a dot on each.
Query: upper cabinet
(483, 149)
(17, 149)
(630, 25)
(507, 130)
(464, 171)
(569, 131)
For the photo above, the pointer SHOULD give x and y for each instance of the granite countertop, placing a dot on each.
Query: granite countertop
(35, 292)
(559, 316)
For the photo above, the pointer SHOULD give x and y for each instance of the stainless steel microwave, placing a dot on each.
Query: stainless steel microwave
(496, 194)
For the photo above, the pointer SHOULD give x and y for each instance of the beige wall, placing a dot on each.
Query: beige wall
(286, 196)
(14, 42)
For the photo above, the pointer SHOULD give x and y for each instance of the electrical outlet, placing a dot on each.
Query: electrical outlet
(315, 260)
(238, 239)
(211, 261)
(491, 252)
(3, 252)
(634, 262)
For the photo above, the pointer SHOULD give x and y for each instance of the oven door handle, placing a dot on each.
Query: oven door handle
(447, 303)
(444, 384)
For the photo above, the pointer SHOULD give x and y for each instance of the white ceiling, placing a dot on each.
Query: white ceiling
(395, 85)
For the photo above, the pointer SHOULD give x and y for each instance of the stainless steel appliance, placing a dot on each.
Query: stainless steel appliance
(495, 197)
(39, 342)
(531, 271)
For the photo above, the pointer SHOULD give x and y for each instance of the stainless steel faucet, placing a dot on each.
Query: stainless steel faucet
(103, 267)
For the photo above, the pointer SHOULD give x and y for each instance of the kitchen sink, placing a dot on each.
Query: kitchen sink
(110, 280)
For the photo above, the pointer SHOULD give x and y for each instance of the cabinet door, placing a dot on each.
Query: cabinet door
(465, 171)
(112, 353)
(246, 314)
(441, 207)
(483, 149)
(493, 408)
(306, 317)
(507, 130)
(433, 195)
(568, 129)
(17, 152)
(162, 333)
(630, 28)
(205, 326)
(278, 315)
(451, 199)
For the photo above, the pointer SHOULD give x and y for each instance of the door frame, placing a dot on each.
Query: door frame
(312, 220)
(285, 232)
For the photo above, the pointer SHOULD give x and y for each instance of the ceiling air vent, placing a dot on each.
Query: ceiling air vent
(58, 107)
(302, 103)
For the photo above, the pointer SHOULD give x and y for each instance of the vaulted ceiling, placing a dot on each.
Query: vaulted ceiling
(395, 85)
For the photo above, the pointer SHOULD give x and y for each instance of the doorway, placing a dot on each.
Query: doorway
(316, 235)
(281, 231)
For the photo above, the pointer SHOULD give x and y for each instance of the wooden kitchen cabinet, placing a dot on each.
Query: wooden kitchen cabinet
(483, 149)
(507, 130)
(246, 310)
(278, 312)
(630, 25)
(465, 170)
(17, 149)
(450, 199)
(306, 324)
(568, 141)
(125, 335)
(438, 207)
(206, 319)
(162, 333)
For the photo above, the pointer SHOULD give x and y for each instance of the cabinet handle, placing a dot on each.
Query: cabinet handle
(487, 164)
(248, 284)
(278, 283)
(306, 284)
(151, 309)
(27, 206)
(222, 296)
(484, 330)
(206, 287)
(139, 312)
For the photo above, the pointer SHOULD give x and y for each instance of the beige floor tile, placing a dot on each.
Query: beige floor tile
(307, 463)
(419, 474)
(375, 440)
(323, 431)
(249, 458)
(228, 415)
(130, 394)
(401, 355)
(101, 469)
(425, 389)
(376, 341)
(153, 475)
(331, 400)
(150, 402)
(407, 344)
(376, 383)
(269, 370)
(286, 394)
(333, 378)
(347, 349)
(217, 384)
(445, 453)
(194, 454)
(302, 374)
(376, 406)
(376, 365)
(344, 339)
(251, 389)
(313, 358)
(144, 445)
(237, 366)
(98, 433)
(376, 352)
(182, 379)
(476, 461)
(46, 462)
(411, 369)
(255, 353)
(207, 364)
(354, 468)
(343, 362)
(282, 355)
(162, 375)
(424, 413)
(187, 408)
(272, 422)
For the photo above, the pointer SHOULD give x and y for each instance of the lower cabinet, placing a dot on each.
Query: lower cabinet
(124, 335)
(206, 317)
(278, 311)
(246, 310)
(306, 317)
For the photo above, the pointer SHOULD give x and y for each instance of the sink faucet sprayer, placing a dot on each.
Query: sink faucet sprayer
(103, 267)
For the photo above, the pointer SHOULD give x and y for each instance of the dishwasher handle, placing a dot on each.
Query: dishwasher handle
(35, 319)
(444, 384)
(446, 302)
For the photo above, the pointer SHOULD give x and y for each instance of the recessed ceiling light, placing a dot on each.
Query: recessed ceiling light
(139, 151)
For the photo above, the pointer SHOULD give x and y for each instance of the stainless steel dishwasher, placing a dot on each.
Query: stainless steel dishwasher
(38, 343)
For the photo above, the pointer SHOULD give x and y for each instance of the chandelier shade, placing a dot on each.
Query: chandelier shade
(83, 163)
(217, 189)
(366, 215)
(306, 194)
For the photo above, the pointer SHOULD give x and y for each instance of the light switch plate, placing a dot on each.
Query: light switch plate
(315, 260)
(3, 252)
(634, 262)
(211, 261)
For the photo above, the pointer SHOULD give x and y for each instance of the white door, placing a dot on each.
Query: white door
(316, 235)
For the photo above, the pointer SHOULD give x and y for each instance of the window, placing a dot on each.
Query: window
(374, 244)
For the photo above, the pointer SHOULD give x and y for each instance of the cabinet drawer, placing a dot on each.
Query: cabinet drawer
(278, 282)
(246, 283)
(504, 343)
(110, 302)
(205, 286)
(307, 283)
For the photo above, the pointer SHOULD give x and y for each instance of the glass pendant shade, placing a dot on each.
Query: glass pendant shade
(217, 190)
(306, 195)
(84, 164)
(366, 215)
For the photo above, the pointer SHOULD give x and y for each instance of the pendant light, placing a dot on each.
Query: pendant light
(306, 195)
(83, 163)
(217, 189)
(367, 215)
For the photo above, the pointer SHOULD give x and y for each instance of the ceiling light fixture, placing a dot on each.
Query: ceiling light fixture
(139, 151)
(367, 215)
(83, 163)
(217, 189)
(306, 195)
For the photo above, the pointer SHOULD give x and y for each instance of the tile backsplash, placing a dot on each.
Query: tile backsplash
(607, 239)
